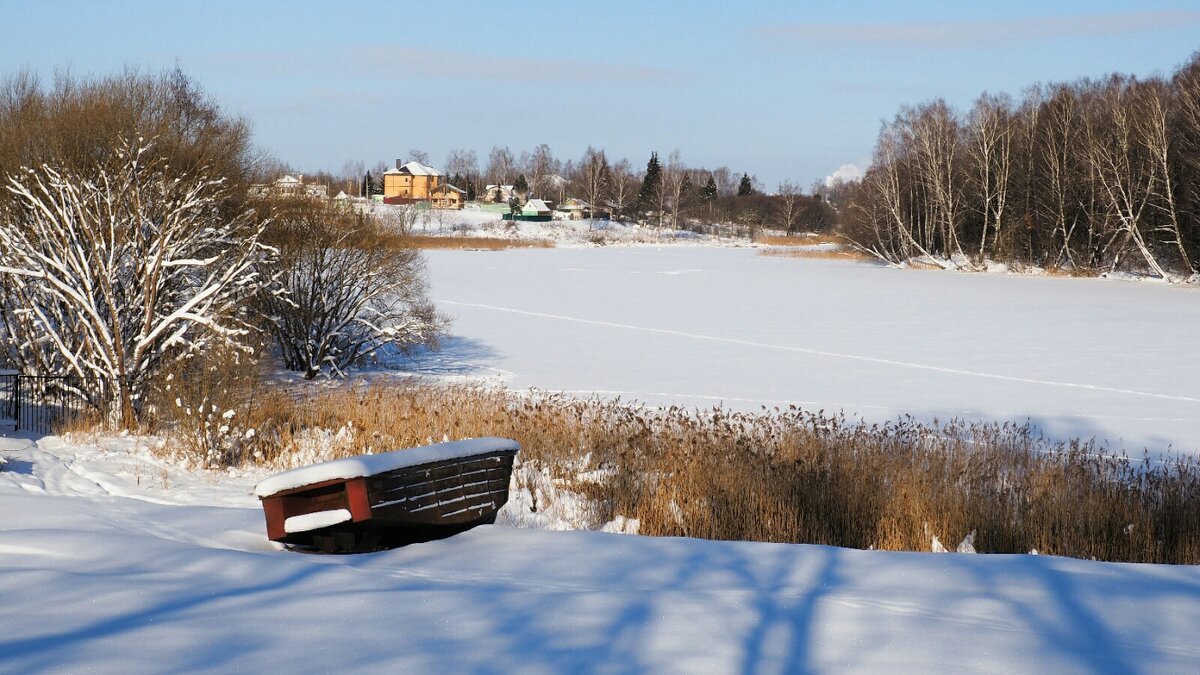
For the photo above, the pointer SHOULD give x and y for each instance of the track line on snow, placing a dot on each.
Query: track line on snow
(835, 355)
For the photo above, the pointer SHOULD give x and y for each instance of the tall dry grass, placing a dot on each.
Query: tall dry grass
(805, 246)
(783, 475)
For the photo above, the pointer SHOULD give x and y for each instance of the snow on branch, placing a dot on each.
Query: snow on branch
(118, 271)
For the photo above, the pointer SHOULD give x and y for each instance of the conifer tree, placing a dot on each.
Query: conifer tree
(745, 187)
(521, 186)
(651, 184)
(709, 191)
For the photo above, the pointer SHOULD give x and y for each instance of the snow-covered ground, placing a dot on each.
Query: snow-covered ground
(112, 561)
(473, 222)
(703, 325)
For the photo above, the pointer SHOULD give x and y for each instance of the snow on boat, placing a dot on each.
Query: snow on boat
(371, 501)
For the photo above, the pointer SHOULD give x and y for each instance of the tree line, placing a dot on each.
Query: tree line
(668, 193)
(1092, 176)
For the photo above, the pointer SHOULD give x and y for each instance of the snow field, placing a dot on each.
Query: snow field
(704, 326)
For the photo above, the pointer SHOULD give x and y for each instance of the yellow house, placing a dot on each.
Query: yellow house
(413, 181)
(446, 196)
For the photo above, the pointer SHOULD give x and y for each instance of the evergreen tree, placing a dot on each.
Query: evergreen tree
(745, 187)
(709, 191)
(651, 184)
(521, 186)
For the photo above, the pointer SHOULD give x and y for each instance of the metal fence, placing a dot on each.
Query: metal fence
(41, 404)
(10, 397)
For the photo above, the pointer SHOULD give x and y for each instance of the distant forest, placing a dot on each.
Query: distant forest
(1088, 177)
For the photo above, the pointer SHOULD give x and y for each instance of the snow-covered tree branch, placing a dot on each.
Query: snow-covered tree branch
(352, 289)
(109, 275)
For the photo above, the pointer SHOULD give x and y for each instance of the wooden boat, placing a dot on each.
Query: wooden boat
(376, 501)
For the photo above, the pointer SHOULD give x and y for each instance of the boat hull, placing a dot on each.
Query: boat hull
(414, 503)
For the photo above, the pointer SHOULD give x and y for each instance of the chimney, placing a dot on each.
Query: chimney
(399, 163)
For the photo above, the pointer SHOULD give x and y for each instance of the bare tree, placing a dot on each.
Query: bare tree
(501, 168)
(71, 124)
(540, 166)
(110, 275)
(936, 137)
(789, 207)
(1126, 176)
(350, 177)
(1057, 146)
(1156, 138)
(593, 169)
(353, 289)
(462, 162)
(622, 187)
(676, 182)
(990, 149)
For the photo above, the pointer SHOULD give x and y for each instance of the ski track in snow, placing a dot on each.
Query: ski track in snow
(829, 354)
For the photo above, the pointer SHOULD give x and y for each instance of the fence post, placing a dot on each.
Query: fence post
(17, 403)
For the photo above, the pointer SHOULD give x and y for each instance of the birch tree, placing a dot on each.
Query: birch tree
(622, 188)
(675, 185)
(789, 207)
(1127, 176)
(990, 149)
(109, 276)
(593, 175)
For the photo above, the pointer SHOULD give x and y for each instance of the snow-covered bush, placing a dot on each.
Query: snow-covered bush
(352, 289)
(205, 406)
(111, 274)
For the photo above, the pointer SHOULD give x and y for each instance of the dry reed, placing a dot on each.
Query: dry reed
(817, 253)
(805, 239)
(785, 475)
(805, 246)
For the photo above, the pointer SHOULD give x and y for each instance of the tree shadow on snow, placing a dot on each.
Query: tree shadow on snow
(455, 355)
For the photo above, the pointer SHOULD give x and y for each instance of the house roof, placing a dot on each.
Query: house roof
(419, 169)
(446, 187)
(536, 205)
(502, 187)
(288, 180)
(574, 203)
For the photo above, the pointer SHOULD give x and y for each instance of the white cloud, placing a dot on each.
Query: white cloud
(844, 173)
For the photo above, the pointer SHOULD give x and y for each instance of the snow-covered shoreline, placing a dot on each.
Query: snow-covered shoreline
(105, 571)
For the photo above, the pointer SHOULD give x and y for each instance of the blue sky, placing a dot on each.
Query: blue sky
(784, 90)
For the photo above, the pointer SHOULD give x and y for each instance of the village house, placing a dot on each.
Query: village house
(410, 182)
(490, 192)
(536, 208)
(575, 209)
(289, 186)
(446, 196)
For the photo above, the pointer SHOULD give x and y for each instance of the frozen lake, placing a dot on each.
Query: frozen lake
(702, 326)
